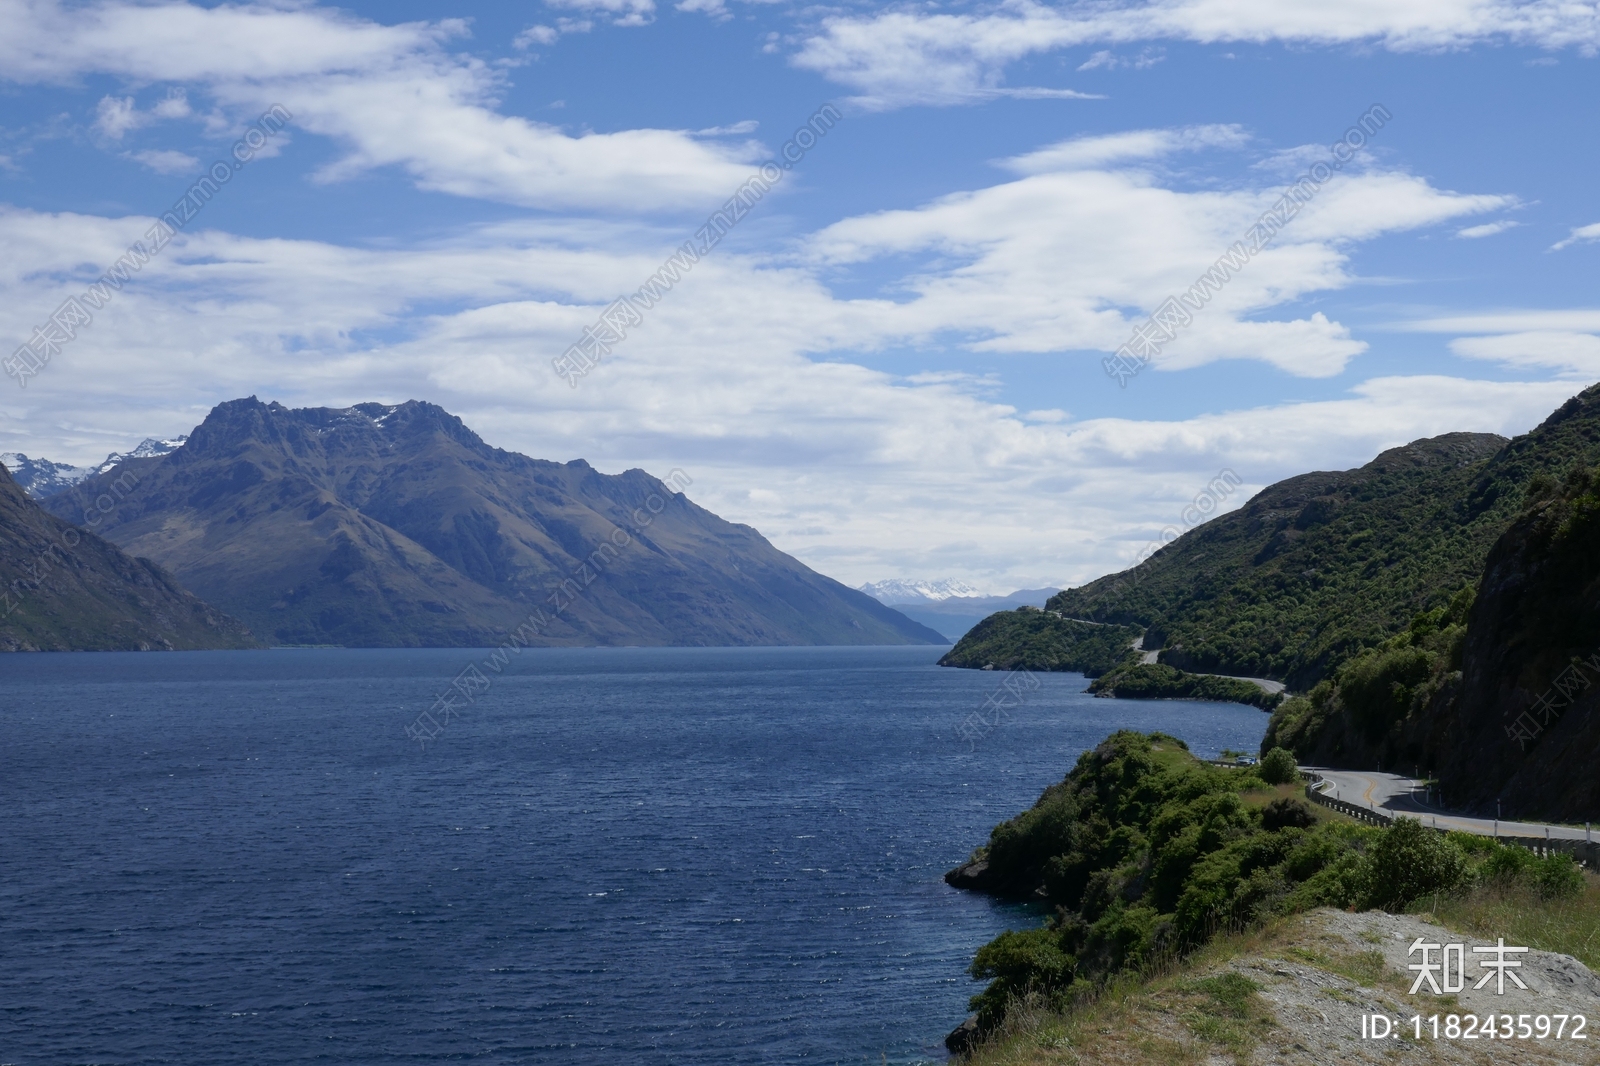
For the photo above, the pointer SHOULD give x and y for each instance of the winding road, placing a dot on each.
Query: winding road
(1395, 794)
(1270, 687)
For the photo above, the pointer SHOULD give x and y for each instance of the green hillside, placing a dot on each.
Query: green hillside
(1031, 639)
(1313, 568)
(1496, 693)
(1317, 568)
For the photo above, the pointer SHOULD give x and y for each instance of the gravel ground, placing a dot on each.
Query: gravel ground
(1307, 983)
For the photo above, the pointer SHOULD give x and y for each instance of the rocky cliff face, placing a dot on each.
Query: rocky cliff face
(1495, 691)
(64, 589)
(397, 526)
(1521, 725)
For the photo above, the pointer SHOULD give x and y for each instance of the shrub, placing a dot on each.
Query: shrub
(1472, 843)
(1505, 863)
(1557, 876)
(1018, 963)
(1292, 721)
(1125, 937)
(1340, 883)
(1408, 862)
(1278, 767)
(1286, 813)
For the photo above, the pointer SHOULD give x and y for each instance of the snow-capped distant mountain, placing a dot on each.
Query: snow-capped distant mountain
(41, 477)
(898, 591)
(147, 449)
(950, 607)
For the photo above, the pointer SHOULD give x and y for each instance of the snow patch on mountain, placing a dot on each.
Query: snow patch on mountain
(40, 478)
(147, 449)
(911, 591)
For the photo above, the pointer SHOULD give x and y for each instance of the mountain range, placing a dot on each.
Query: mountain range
(397, 526)
(951, 607)
(899, 590)
(41, 477)
(1422, 606)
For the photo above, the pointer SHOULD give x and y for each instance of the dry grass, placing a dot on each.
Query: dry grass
(1515, 911)
(1166, 1018)
(1196, 1011)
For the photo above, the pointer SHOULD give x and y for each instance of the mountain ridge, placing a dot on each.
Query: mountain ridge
(40, 478)
(396, 525)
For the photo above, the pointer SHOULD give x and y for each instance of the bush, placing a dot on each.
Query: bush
(1286, 813)
(1278, 767)
(1125, 937)
(1472, 843)
(1340, 883)
(1018, 963)
(1557, 876)
(1505, 863)
(1408, 862)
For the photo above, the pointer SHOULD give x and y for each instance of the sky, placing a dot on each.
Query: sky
(893, 363)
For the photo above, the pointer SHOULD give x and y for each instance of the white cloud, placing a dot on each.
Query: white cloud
(1087, 153)
(545, 35)
(1488, 229)
(1574, 355)
(1581, 235)
(862, 473)
(116, 115)
(913, 56)
(1572, 320)
(621, 12)
(1108, 60)
(175, 105)
(166, 161)
(391, 95)
(1072, 260)
(736, 129)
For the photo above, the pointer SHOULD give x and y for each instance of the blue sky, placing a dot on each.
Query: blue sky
(892, 366)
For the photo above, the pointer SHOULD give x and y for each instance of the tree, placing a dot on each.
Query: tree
(1410, 861)
(1278, 767)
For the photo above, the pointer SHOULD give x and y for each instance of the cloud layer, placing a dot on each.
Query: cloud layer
(390, 95)
(909, 56)
(752, 374)
(745, 376)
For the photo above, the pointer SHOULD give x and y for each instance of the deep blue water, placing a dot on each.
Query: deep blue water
(685, 856)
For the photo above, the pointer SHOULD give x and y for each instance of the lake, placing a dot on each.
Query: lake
(614, 856)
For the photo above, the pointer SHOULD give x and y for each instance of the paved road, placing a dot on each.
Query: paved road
(1153, 656)
(1395, 794)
